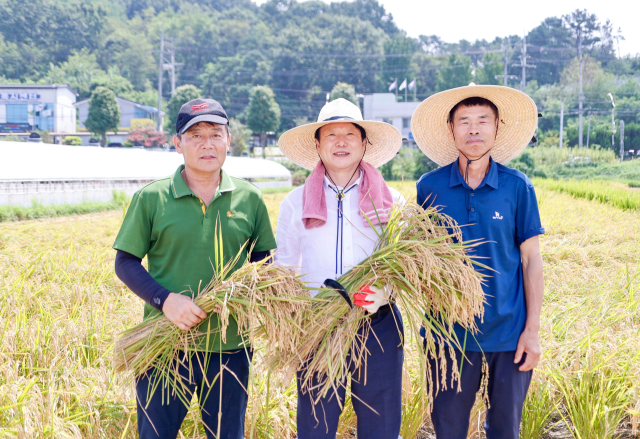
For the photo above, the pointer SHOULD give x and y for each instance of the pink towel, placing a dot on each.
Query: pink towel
(373, 191)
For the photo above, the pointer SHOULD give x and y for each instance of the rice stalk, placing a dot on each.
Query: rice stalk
(420, 253)
(268, 302)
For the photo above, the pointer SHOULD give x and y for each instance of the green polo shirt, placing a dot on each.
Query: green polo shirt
(170, 225)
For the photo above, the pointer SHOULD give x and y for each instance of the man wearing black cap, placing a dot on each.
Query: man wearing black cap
(173, 222)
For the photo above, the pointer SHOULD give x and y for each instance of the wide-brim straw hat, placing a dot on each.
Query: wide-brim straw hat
(517, 112)
(299, 143)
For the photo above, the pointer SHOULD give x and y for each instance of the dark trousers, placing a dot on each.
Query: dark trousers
(506, 389)
(161, 415)
(382, 392)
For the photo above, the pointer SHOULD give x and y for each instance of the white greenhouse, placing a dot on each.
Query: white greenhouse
(56, 174)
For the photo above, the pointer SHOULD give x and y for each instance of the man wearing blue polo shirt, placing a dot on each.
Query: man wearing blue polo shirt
(470, 131)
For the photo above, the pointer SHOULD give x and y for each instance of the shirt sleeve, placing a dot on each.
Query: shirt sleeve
(262, 232)
(528, 222)
(288, 240)
(131, 272)
(134, 236)
(421, 190)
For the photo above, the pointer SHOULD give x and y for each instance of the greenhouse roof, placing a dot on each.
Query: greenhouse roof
(46, 162)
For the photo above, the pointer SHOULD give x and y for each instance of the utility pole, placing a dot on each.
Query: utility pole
(160, 71)
(523, 64)
(621, 140)
(505, 64)
(588, 129)
(581, 97)
(613, 122)
(561, 121)
(172, 68)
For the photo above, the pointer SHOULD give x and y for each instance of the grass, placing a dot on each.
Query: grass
(616, 194)
(41, 211)
(61, 307)
(577, 164)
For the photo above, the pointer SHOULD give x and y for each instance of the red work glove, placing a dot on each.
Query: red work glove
(371, 298)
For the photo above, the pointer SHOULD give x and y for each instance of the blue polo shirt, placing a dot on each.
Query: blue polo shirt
(503, 210)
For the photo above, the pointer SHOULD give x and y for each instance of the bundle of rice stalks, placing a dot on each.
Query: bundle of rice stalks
(268, 302)
(420, 254)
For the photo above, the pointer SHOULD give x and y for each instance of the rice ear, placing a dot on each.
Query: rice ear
(419, 252)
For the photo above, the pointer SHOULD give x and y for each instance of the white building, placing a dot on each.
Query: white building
(384, 107)
(24, 108)
(128, 110)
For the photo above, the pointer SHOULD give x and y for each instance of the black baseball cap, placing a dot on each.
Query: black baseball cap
(200, 110)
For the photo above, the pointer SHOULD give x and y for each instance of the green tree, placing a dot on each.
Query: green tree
(491, 65)
(398, 65)
(455, 73)
(104, 113)
(425, 68)
(184, 94)
(114, 82)
(47, 31)
(240, 137)
(263, 114)
(550, 39)
(345, 91)
(129, 50)
(80, 71)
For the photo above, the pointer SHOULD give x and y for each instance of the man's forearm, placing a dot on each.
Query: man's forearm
(130, 271)
(259, 256)
(533, 290)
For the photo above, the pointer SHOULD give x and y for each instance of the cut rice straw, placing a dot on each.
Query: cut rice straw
(419, 253)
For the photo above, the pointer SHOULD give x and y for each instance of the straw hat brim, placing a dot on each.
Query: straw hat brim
(518, 116)
(299, 143)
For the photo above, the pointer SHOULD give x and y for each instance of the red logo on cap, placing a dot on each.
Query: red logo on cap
(199, 107)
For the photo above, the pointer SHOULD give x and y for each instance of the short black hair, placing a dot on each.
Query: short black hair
(473, 102)
(208, 123)
(363, 133)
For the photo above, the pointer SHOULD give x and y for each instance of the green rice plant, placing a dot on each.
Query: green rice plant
(41, 211)
(538, 408)
(415, 407)
(553, 156)
(594, 400)
(58, 293)
(271, 411)
(612, 193)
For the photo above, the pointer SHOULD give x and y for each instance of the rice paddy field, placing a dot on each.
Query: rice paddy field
(61, 307)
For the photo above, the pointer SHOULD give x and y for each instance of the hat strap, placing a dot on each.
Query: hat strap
(467, 196)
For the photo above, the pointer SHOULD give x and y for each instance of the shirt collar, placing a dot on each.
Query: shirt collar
(180, 188)
(328, 183)
(491, 179)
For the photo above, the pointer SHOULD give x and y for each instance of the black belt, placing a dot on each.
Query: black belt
(384, 309)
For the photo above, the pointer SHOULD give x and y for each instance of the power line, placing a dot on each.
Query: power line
(505, 63)
(523, 64)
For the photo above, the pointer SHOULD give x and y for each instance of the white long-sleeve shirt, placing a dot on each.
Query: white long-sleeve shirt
(314, 252)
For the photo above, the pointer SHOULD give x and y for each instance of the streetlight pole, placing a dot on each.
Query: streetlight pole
(613, 122)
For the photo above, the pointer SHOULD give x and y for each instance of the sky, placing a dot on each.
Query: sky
(472, 19)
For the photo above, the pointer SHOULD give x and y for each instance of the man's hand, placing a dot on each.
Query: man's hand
(528, 343)
(371, 298)
(182, 311)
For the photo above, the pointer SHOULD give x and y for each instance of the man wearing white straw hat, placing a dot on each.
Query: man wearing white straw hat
(329, 225)
(472, 132)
